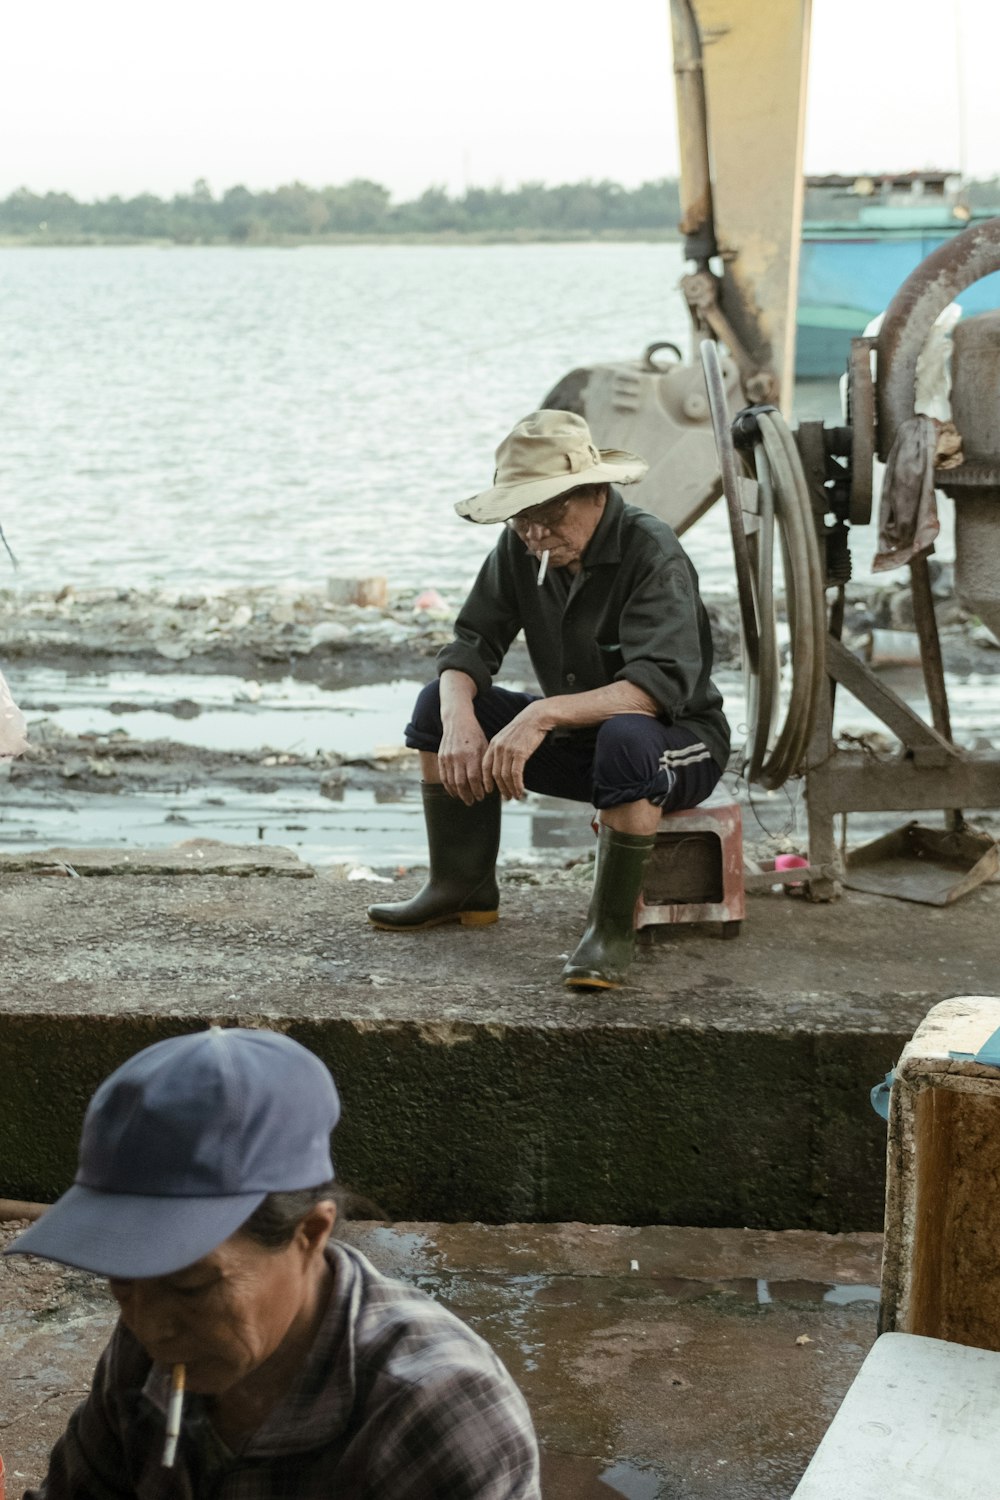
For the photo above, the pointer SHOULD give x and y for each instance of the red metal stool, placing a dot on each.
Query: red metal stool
(695, 873)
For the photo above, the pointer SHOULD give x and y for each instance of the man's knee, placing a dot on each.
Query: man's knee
(424, 729)
(622, 751)
(637, 759)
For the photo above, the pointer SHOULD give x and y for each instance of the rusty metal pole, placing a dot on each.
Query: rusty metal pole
(931, 661)
(930, 644)
(697, 221)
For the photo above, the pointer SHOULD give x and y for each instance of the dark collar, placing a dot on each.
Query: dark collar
(605, 546)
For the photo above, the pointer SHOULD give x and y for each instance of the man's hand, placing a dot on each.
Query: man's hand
(503, 763)
(460, 760)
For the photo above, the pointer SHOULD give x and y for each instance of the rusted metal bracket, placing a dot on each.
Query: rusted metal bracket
(701, 292)
(861, 417)
(732, 490)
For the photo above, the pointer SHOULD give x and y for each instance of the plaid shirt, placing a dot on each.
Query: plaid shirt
(397, 1400)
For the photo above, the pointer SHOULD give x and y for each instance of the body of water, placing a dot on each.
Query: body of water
(234, 416)
(264, 415)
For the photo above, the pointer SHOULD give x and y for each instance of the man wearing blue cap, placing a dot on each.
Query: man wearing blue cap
(254, 1357)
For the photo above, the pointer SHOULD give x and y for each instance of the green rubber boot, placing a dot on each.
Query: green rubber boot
(604, 953)
(462, 886)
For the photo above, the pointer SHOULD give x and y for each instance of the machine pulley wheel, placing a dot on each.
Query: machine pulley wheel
(911, 314)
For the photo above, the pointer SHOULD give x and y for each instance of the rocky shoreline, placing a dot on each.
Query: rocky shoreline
(269, 632)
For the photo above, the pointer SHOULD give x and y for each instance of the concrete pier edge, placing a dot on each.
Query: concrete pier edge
(726, 1086)
(468, 1120)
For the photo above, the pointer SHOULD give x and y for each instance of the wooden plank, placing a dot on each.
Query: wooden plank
(854, 782)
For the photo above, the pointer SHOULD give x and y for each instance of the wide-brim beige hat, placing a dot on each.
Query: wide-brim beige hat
(546, 455)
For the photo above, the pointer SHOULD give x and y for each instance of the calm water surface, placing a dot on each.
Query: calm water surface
(239, 416)
(233, 416)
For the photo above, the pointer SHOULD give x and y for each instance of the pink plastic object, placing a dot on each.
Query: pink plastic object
(718, 818)
(430, 599)
(790, 862)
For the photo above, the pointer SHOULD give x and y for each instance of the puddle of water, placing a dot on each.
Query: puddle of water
(215, 712)
(839, 1295)
(632, 1481)
(371, 828)
(289, 716)
(843, 1296)
(567, 1476)
(745, 1290)
(356, 829)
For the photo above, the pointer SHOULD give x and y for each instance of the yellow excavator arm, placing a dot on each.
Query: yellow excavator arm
(740, 70)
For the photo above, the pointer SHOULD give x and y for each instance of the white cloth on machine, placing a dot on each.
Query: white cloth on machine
(13, 730)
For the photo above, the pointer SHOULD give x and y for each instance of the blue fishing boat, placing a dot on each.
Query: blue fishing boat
(861, 238)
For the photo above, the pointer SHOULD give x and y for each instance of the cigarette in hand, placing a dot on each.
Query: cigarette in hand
(174, 1409)
(543, 568)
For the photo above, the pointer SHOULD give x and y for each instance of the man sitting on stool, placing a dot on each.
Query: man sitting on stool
(629, 718)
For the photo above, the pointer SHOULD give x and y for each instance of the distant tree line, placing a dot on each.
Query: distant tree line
(297, 212)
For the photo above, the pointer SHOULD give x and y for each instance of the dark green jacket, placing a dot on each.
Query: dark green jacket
(632, 614)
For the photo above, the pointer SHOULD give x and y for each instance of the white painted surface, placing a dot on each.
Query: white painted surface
(920, 1422)
(962, 1024)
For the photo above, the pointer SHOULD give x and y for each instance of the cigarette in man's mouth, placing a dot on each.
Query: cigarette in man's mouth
(174, 1408)
(543, 568)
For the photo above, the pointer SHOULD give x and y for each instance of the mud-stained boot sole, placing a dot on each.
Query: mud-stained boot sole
(590, 982)
(466, 918)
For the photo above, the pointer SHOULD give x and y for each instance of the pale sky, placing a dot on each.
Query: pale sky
(115, 96)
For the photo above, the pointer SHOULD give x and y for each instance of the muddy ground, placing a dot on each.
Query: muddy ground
(265, 634)
(656, 1362)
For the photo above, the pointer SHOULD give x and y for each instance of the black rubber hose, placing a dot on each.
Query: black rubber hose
(762, 687)
(782, 503)
(730, 473)
(804, 600)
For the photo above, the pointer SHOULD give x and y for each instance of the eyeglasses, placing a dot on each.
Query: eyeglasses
(548, 516)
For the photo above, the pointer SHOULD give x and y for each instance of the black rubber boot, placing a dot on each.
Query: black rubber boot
(462, 886)
(604, 953)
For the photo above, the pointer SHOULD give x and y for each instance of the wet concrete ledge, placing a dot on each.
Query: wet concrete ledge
(728, 1085)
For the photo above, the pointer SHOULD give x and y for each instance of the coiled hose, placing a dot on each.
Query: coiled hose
(781, 500)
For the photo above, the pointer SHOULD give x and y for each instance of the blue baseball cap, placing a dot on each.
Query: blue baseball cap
(181, 1144)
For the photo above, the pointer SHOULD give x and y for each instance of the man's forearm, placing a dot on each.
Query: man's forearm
(580, 710)
(457, 693)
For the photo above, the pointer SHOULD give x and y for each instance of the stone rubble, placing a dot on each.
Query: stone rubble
(307, 629)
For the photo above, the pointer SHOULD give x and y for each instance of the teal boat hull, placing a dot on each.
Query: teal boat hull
(847, 278)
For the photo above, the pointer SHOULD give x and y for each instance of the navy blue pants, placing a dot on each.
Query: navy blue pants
(629, 758)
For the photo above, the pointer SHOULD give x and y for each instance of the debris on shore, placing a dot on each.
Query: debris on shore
(312, 634)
